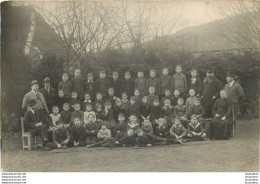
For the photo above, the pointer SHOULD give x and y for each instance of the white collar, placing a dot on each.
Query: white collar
(231, 83)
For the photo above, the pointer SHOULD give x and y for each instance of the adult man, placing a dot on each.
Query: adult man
(234, 92)
(210, 92)
(34, 94)
(35, 121)
(49, 93)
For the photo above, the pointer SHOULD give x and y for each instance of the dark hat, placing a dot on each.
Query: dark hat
(138, 130)
(34, 82)
(210, 70)
(32, 102)
(231, 74)
(47, 79)
(90, 74)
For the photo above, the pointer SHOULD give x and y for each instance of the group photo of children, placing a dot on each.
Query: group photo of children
(109, 110)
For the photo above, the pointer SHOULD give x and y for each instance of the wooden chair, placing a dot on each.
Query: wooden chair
(26, 138)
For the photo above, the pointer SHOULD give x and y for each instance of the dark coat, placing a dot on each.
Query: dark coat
(66, 87)
(65, 116)
(140, 84)
(222, 108)
(78, 134)
(234, 92)
(152, 82)
(116, 85)
(128, 87)
(31, 119)
(60, 135)
(78, 86)
(90, 87)
(165, 82)
(50, 97)
(197, 85)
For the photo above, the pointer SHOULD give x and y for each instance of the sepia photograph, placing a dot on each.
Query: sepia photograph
(130, 86)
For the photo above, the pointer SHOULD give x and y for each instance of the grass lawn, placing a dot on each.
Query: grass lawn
(238, 154)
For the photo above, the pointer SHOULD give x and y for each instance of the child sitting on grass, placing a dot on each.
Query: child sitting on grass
(120, 128)
(195, 130)
(147, 127)
(177, 131)
(78, 133)
(91, 130)
(60, 137)
(162, 129)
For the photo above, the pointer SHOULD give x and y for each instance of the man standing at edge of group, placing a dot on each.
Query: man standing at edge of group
(234, 93)
(36, 95)
(210, 92)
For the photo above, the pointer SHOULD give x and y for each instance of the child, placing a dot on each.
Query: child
(179, 80)
(128, 139)
(102, 84)
(65, 86)
(176, 96)
(190, 101)
(115, 83)
(180, 112)
(77, 133)
(120, 128)
(150, 140)
(140, 83)
(86, 101)
(195, 82)
(177, 131)
(128, 84)
(125, 103)
(198, 110)
(90, 87)
(165, 82)
(167, 94)
(74, 99)
(88, 112)
(162, 129)
(152, 82)
(151, 97)
(117, 109)
(137, 96)
(55, 116)
(147, 127)
(77, 113)
(104, 133)
(145, 108)
(155, 113)
(99, 99)
(103, 137)
(133, 108)
(195, 130)
(99, 115)
(168, 112)
(91, 130)
(61, 99)
(133, 124)
(65, 115)
(108, 116)
(78, 84)
(221, 123)
(60, 137)
(110, 97)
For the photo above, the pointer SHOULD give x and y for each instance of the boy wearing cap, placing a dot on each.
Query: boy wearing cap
(210, 92)
(140, 83)
(49, 93)
(152, 82)
(194, 82)
(36, 95)
(90, 86)
(128, 84)
(35, 121)
(165, 82)
(60, 137)
(78, 84)
(102, 84)
(66, 86)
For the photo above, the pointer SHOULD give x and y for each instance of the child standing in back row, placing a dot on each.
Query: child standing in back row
(152, 82)
(179, 80)
(65, 85)
(102, 84)
(78, 84)
(165, 82)
(140, 83)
